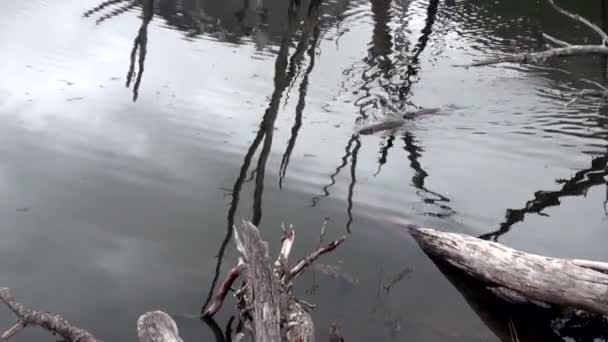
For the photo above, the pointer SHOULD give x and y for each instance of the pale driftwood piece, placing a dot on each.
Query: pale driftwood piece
(262, 282)
(582, 20)
(50, 322)
(542, 56)
(557, 282)
(157, 326)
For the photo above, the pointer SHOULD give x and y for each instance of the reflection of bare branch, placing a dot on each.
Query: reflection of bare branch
(384, 153)
(302, 96)
(263, 136)
(140, 42)
(351, 185)
(418, 179)
(332, 177)
(267, 121)
(578, 185)
(102, 6)
(215, 329)
(116, 12)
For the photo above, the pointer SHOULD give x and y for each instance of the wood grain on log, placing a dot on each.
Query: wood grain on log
(263, 283)
(558, 282)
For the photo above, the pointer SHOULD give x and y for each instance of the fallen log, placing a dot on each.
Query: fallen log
(521, 277)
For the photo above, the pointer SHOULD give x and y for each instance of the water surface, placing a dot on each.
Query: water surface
(134, 134)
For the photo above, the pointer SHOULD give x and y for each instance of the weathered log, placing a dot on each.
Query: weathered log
(519, 276)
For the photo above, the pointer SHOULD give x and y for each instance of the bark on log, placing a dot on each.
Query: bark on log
(518, 275)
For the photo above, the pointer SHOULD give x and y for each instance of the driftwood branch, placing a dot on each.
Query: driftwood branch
(520, 276)
(543, 56)
(565, 49)
(50, 322)
(582, 20)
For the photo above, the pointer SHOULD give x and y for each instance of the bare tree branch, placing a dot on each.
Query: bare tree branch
(582, 20)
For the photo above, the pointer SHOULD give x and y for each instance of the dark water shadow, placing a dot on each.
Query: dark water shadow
(523, 322)
(578, 185)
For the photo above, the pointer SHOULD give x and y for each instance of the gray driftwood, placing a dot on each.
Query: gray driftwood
(519, 276)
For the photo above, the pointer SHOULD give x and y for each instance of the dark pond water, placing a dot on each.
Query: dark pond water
(134, 134)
